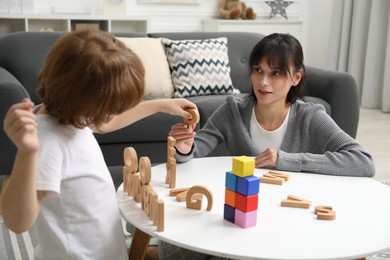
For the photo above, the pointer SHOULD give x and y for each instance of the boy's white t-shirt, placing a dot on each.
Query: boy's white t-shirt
(263, 139)
(79, 216)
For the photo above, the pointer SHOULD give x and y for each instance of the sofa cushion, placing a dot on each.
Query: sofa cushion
(199, 67)
(158, 82)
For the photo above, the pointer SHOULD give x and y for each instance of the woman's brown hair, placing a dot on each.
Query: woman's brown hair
(88, 77)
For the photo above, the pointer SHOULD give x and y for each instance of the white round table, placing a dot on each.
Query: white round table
(361, 227)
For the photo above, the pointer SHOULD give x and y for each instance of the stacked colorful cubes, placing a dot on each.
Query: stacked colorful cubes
(241, 193)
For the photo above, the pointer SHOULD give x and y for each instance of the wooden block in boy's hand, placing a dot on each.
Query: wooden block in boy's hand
(195, 117)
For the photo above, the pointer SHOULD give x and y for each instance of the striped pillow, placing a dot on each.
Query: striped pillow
(199, 67)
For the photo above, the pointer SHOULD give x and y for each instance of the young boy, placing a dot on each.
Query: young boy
(90, 82)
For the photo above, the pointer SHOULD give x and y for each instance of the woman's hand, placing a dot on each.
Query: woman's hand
(21, 127)
(184, 136)
(267, 159)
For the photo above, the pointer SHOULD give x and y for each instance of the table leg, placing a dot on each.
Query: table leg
(139, 244)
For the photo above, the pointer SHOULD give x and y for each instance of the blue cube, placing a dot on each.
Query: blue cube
(231, 181)
(248, 186)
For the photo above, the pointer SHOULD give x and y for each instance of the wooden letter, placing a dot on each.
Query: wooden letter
(295, 202)
(193, 203)
(274, 178)
(325, 213)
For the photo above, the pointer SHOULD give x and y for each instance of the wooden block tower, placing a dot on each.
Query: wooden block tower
(241, 193)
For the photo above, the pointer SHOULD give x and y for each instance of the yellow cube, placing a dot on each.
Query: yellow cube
(243, 166)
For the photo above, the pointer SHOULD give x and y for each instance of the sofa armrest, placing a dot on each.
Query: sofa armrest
(339, 89)
(11, 92)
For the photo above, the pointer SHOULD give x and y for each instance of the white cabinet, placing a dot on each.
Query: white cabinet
(35, 22)
(263, 26)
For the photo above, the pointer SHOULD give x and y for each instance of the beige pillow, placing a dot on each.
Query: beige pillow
(158, 81)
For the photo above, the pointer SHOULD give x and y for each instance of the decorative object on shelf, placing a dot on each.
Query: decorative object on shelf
(278, 7)
(235, 9)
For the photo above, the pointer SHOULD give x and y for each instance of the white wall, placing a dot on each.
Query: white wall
(315, 14)
(318, 32)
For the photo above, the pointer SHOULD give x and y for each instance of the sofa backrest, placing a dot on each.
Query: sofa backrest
(23, 53)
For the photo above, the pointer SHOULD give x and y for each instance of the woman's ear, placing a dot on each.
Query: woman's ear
(297, 77)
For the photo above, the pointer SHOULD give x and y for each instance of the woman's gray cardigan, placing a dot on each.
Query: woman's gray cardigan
(313, 142)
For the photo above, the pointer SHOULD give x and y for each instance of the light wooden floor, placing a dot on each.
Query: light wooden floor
(374, 135)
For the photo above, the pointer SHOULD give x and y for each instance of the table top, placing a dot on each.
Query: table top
(361, 227)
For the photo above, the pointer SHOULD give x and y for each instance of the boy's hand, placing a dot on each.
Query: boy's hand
(21, 127)
(184, 136)
(178, 106)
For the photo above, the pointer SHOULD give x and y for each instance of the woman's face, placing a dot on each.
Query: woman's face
(270, 85)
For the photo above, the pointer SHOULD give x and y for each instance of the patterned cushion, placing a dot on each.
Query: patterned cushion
(199, 67)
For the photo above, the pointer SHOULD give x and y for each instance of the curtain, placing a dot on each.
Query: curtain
(360, 45)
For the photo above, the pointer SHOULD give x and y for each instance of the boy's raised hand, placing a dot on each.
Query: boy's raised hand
(177, 106)
(21, 127)
(184, 136)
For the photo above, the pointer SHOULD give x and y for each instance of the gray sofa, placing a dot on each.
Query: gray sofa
(22, 54)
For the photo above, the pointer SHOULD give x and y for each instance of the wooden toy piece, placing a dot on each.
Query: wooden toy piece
(147, 191)
(153, 207)
(136, 185)
(195, 118)
(170, 178)
(145, 170)
(229, 213)
(284, 176)
(271, 180)
(174, 192)
(160, 215)
(197, 204)
(246, 203)
(243, 166)
(171, 143)
(295, 202)
(274, 178)
(126, 183)
(145, 177)
(249, 185)
(130, 159)
(231, 181)
(245, 219)
(325, 213)
(182, 196)
(171, 173)
(230, 197)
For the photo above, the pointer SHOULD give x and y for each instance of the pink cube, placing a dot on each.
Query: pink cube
(245, 219)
